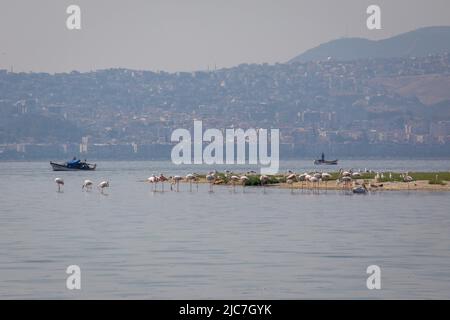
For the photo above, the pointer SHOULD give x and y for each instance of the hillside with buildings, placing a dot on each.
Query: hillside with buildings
(396, 107)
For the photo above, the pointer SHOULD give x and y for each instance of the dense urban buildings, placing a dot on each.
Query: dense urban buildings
(366, 108)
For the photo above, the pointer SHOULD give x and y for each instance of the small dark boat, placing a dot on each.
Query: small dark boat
(323, 161)
(360, 190)
(74, 165)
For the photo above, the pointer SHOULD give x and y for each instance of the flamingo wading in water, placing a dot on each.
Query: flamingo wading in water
(102, 185)
(59, 182)
(87, 184)
(211, 178)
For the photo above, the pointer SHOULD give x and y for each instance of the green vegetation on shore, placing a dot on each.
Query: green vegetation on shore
(434, 178)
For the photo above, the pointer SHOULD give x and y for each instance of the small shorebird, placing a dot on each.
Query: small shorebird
(87, 184)
(59, 182)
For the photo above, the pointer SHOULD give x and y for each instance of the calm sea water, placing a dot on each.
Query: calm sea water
(133, 243)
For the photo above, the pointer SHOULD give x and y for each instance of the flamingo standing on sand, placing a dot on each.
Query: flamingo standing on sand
(87, 184)
(347, 182)
(314, 180)
(407, 178)
(290, 179)
(302, 178)
(59, 182)
(325, 177)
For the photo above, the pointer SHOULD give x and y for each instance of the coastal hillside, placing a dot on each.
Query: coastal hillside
(417, 43)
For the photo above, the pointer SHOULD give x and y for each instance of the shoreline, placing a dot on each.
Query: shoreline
(372, 184)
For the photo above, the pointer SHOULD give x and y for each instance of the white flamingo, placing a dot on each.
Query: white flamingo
(356, 175)
(244, 179)
(408, 179)
(314, 180)
(234, 179)
(211, 178)
(102, 185)
(290, 179)
(153, 180)
(347, 181)
(176, 180)
(325, 177)
(191, 177)
(302, 178)
(163, 179)
(59, 182)
(264, 179)
(87, 184)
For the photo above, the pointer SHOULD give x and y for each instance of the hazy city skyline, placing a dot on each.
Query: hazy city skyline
(191, 35)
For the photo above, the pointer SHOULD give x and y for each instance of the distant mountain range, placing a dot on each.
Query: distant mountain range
(418, 43)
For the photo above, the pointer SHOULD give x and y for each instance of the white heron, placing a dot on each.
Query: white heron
(59, 182)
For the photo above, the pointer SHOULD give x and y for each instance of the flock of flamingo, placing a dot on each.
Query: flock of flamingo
(87, 185)
(346, 179)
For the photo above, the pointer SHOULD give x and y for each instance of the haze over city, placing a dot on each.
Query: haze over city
(190, 35)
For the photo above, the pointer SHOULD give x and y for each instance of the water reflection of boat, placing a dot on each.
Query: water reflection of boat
(74, 165)
(323, 161)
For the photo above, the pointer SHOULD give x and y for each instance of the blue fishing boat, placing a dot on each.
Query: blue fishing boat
(73, 165)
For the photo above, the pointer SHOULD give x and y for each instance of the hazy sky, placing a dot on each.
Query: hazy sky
(186, 35)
